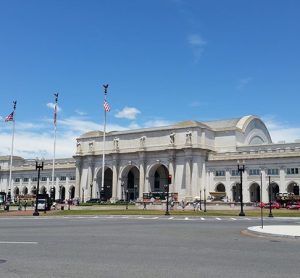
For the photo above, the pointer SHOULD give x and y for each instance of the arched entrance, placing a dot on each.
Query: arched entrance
(33, 190)
(220, 187)
(106, 192)
(158, 178)
(130, 183)
(274, 190)
(25, 191)
(43, 190)
(293, 188)
(72, 192)
(62, 193)
(16, 191)
(254, 192)
(236, 192)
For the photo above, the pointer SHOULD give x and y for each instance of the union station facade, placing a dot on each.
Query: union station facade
(200, 157)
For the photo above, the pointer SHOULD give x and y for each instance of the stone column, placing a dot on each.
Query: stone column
(172, 169)
(90, 178)
(265, 195)
(188, 174)
(78, 165)
(115, 177)
(282, 187)
(142, 188)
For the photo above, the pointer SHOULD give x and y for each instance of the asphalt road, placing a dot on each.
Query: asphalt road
(143, 247)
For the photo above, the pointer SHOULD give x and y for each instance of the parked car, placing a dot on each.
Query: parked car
(274, 205)
(293, 205)
(261, 205)
(93, 201)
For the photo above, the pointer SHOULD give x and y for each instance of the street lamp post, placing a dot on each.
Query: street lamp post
(38, 167)
(82, 195)
(200, 201)
(126, 198)
(122, 190)
(91, 185)
(69, 201)
(204, 199)
(167, 205)
(270, 212)
(241, 170)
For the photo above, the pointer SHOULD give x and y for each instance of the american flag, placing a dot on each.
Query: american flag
(10, 117)
(55, 112)
(106, 106)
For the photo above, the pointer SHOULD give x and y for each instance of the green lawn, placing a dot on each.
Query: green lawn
(133, 211)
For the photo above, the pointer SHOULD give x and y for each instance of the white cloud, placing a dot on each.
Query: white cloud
(196, 104)
(36, 140)
(196, 40)
(157, 123)
(280, 131)
(80, 113)
(197, 43)
(128, 113)
(52, 105)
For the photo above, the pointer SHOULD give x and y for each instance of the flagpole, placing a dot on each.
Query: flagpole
(12, 145)
(104, 131)
(54, 144)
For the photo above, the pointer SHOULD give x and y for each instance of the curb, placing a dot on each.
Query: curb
(253, 230)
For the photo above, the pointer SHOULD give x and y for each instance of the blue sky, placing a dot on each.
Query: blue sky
(165, 61)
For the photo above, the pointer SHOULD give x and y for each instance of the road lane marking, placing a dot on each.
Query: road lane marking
(218, 218)
(171, 218)
(233, 218)
(202, 218)
(18, 242)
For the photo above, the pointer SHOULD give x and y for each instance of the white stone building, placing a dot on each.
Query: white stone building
(24, 177)
(200, 156)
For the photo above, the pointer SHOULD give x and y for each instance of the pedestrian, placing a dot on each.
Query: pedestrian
(182, 204)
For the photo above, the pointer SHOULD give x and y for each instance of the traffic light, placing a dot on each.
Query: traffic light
(169, 179)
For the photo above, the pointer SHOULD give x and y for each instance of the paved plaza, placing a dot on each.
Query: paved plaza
(148, 246)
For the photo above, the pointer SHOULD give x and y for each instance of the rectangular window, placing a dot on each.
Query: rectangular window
(44, 179)
(72, 178)
(25, 179)
(34, 179)
(273, 172)
(63, 178)
(17, 179)
(220, 173)
(292, 171)
(254, 172)
(234, 173)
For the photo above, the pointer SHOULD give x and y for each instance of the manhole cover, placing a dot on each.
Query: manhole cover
(2, 261)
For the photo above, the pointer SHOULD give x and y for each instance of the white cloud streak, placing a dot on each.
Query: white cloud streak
(52, 105)
(128, 113)
(197, 44)
(281, 131)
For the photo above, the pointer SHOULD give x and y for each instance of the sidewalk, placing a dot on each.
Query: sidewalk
(292, 231)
